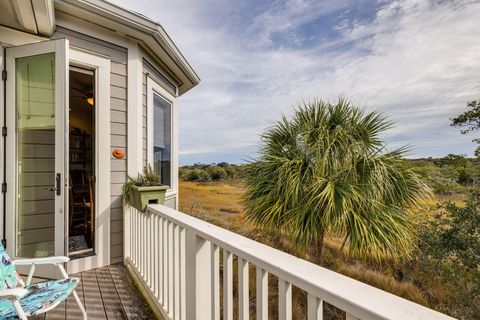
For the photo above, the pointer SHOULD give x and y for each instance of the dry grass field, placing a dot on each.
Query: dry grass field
(220, 203)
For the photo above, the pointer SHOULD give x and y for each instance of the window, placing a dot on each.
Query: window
(161, 145)
(162, 138)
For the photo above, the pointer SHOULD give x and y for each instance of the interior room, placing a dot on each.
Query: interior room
(81, 217)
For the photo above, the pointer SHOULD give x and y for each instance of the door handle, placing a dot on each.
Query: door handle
(58, 181)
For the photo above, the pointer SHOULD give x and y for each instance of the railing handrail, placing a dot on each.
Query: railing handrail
(353, 296)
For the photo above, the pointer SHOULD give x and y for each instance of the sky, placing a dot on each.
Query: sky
(415, 61)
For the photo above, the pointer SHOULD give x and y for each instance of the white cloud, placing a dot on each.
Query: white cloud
(416, 60)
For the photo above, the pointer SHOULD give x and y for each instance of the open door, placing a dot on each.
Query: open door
(37, 146)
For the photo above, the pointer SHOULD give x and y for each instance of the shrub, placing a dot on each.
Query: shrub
(448, 257)
(217, 173)
(192, 175)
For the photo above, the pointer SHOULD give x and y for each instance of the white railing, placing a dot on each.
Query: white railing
(177, 259)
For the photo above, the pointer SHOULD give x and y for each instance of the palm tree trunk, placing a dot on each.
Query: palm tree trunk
(315, 248)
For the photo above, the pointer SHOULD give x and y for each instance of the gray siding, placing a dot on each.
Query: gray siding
(171, 202)
(118, 126)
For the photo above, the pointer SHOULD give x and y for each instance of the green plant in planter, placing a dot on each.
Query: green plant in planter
(143, 189)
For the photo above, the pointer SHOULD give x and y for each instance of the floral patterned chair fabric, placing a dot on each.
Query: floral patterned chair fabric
(40, 296)
(9, 277)
(35, 298)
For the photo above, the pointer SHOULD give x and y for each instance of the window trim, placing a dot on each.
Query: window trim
(153, 87)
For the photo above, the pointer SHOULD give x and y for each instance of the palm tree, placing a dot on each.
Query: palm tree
(327, 171)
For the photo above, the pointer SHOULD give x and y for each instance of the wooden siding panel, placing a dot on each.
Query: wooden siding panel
(171, 202)
(118, 80)
(118, 104)
(119, 68)
(118, 116)
(118, 141)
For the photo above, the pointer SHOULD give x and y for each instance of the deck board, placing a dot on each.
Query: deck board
(107, 293)
(134, 305)
(111, 300)
(93, 298)
(73, 312)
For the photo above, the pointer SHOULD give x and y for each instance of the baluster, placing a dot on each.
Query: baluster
(148, 243)
(152, 250)
(243, 284)
(315, 308)
(126, 233)
(262, 294)
(161, 238)
(142, 243)
(165, 263)
(227, 285)
(176, 272)
(135, 239)
(170, 267)
(144, 247)
(141, 253)
(284, 300)
(183, 287)
(132, 237)
(155, 252)
(132, 234)
(216, 282)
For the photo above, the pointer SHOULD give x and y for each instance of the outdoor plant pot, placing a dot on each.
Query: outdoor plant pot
(140, 197)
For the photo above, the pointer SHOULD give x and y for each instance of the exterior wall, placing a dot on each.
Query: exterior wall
(154, 72)
(118, 126)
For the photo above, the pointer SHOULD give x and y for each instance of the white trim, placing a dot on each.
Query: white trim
(15, 38)
(44, 16)
(134, 26)
(25, 15)
(72, 22)
(153, 88)
(2, 158)
(101, 66)
(134, 106)
(60, 48)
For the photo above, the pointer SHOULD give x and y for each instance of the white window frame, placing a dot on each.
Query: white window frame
(153, 88)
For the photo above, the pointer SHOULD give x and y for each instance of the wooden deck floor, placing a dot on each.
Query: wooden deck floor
(106, 293)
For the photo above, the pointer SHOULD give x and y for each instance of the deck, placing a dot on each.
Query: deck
(107, 293)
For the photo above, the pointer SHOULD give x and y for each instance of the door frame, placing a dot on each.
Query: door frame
(101, 66)
(61, 48)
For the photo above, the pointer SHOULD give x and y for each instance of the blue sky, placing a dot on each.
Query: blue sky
(416, 61)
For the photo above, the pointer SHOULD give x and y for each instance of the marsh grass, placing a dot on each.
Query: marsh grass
(220, 203)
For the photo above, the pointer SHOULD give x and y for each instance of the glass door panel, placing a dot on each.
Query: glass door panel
(37, 112)
(35, 158)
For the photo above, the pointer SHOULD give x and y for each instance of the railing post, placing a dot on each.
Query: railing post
(126, 233)
(199, 280)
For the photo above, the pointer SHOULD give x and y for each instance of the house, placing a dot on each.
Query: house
(87, 85)
(89, 96)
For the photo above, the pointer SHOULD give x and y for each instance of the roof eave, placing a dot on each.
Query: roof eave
(142, 29)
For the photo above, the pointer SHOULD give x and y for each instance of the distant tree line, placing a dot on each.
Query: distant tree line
(450, 174)
(447, 175)
(211, 172)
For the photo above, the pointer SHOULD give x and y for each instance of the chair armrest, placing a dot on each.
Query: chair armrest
(15, 293)
(38, 261)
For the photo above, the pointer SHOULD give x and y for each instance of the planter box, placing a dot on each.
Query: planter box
(140, 197)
